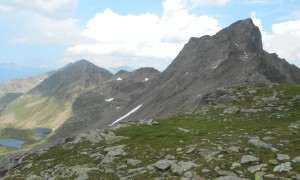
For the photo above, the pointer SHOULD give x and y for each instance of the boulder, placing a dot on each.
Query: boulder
(233, 149)
(224, 173)
(260, 144)
(248, 159)
(296, 160)
(83, 177)
(283, 157)
(133, 162)
(184, 130)
(284, 167)
(230, 178)
(235, 165)
(107, 160)
(33, 177)
(94, 137)
(27, 166)
(231, 110)
(259, 176)
(191, 150)
(112, 138)
(170, 157)
(163, 165)
(115, 151)
(208, 155)
(256, 168)
(181, 167)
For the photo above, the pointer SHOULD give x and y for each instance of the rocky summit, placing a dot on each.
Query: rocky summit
(223, 109)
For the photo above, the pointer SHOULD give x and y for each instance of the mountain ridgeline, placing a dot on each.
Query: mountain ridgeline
(83, 96)
(72, 80)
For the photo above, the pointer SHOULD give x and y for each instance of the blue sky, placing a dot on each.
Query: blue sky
(136, 33)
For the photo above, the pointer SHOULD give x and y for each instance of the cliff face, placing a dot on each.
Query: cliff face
(233, 56)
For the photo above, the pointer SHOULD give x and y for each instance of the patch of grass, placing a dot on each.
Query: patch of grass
(210, 128)
(4, 150)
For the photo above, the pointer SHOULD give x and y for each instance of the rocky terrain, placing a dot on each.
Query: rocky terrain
(82, 96)
(241, 132)
(224, 108)
(231, 57)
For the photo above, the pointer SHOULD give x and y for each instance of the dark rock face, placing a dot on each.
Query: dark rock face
(233, 56)
(106, 99)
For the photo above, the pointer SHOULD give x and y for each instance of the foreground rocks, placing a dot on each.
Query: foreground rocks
(225, 142)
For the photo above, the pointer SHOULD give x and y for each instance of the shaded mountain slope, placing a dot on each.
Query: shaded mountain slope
(22, 85)
(72, 80)
(107, 99)
(233, 56)
(49, 104)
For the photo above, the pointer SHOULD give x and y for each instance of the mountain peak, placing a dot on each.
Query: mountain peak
(72, 79)
(237, 48)
(245, 34)
(82, 61)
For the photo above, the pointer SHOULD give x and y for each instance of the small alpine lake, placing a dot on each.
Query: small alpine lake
(11, 143)
(42, 131)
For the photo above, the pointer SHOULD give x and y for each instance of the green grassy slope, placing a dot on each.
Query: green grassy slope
(255, 110)
(24, 114)
(30, 112)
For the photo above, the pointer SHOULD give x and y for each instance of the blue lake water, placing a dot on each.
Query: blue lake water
(41, 131)
(11, 143)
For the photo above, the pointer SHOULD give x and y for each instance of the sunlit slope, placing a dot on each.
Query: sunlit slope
(49, 104)
(29, 112)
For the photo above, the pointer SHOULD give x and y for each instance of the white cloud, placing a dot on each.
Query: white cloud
(50, 30)
(49, 6)
(261, 1)
(4, 8)
(38, 29)
(209, 2)
(41, 21)
(283, 40)
(144, 36)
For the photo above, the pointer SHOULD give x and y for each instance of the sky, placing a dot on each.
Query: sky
(134, 33)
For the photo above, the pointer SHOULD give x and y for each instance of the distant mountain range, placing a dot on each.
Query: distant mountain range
(117, 69)
(83, 96)
(9, 71)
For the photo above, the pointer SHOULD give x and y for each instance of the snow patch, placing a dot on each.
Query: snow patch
(126, 115)
(117, 107)
(109, 100)
(236, 45)
(119, 79)
(41, 80)
(187, 73)
(215, 66)
(146, 79)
